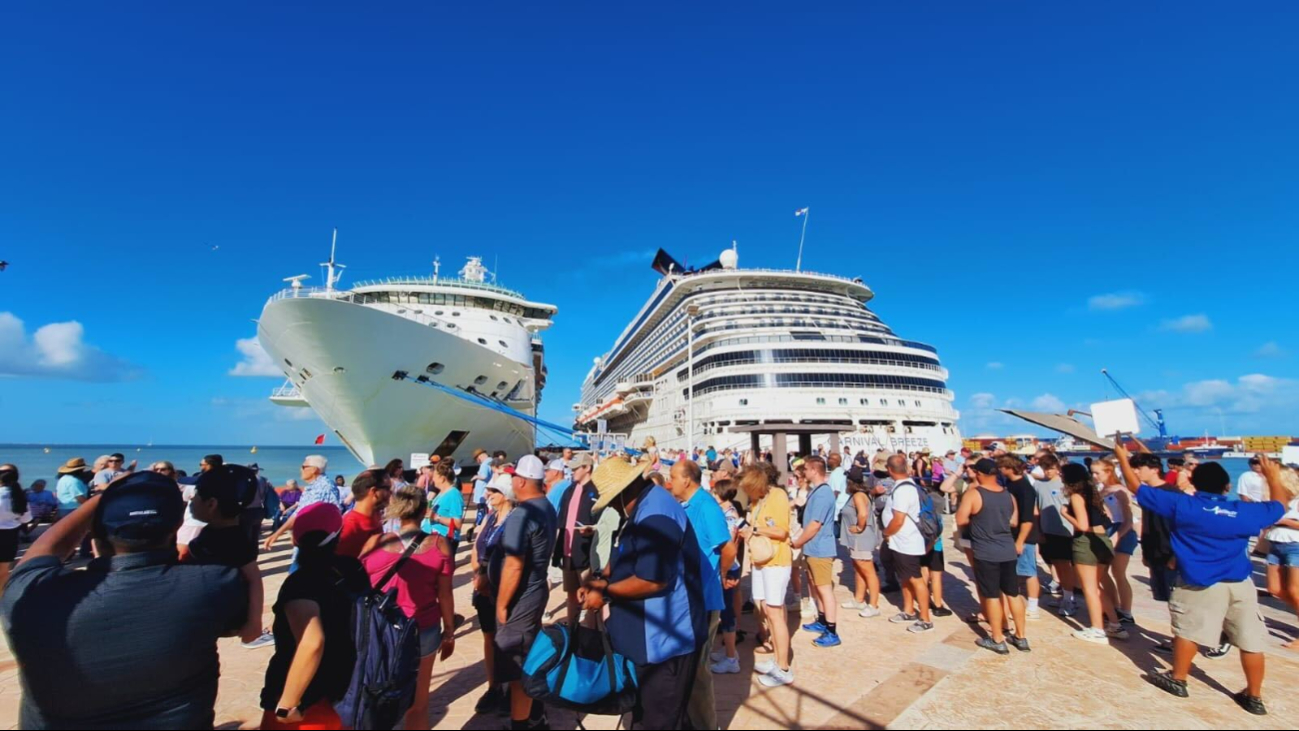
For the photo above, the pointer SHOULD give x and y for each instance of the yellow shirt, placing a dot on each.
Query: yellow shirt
(773, 512)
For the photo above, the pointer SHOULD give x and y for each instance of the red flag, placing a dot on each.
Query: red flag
(320, 439)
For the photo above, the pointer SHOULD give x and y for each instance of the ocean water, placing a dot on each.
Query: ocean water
(279, 463)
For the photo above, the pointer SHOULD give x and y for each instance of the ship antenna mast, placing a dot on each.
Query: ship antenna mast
(331, 278)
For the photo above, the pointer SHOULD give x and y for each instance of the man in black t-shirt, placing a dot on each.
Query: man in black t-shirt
(1012, 470)
(221, 496)
(518, 571)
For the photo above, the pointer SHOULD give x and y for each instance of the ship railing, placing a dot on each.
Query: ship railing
(747, 270)
(313, 293)
(439, 282)
(288, 390)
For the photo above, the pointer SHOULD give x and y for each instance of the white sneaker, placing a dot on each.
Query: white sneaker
(725, 666)
(266, 639)
(1094, 636)
(868, 612)
(764, 667)
(1033, 613)
(717, 656)
(852, 604)
(777, 678)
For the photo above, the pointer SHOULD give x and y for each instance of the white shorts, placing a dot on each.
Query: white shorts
(769, 584)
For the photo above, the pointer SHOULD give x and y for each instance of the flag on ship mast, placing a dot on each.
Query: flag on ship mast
(798, 266)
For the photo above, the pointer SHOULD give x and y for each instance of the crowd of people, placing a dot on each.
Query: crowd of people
(663, 551)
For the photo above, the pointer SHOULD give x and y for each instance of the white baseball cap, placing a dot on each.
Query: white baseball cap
(556, 465)
(317, 461)
(504, 484)
(530, 468)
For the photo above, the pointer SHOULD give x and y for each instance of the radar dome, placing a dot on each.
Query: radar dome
(729, 259)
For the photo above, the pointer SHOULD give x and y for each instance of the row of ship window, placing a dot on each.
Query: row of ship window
(454, 300)
(672, 329)
(818, 380)
(809, 355)
(820, 401)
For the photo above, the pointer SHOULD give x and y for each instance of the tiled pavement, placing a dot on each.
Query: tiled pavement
(881, 676)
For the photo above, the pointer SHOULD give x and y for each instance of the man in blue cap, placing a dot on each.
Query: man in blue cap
(135, 630)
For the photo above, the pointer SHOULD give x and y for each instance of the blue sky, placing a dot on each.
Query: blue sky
(1039, 190)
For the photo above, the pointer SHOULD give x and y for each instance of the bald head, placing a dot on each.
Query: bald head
(897, 467)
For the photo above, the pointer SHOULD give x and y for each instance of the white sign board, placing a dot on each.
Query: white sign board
(418, 460)
(601, 426)
(1112, 417)
(1290, 455)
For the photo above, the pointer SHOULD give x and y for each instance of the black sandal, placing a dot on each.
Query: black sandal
(1167, 683)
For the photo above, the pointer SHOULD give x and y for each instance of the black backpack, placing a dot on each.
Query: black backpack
(386, 672)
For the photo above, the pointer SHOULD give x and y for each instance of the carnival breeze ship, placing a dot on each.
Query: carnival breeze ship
(767, 348)
(341, 350)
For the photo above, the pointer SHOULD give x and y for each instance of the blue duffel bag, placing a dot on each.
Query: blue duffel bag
(575, 667)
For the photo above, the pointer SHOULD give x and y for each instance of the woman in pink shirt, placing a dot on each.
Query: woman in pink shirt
(423, 588)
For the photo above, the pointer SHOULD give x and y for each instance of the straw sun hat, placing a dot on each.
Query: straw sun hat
(612, 477)
(74, 466)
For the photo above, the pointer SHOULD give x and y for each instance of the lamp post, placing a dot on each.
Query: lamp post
(692, 311)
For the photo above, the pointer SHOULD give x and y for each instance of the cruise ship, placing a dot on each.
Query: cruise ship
(761, 347)
(344, 351)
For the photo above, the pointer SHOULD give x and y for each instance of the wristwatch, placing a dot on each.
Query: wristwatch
(284, 712)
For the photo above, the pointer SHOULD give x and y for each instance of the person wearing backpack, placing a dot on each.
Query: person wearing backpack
(423, 584)
(314, 648)
(901, 518)
(860, 534)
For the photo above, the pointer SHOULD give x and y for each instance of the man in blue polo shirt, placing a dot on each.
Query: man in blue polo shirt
(717, 549)
(1215, 593)
(655, 591)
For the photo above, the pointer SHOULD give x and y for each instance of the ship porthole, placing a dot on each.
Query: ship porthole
(435, 368)
(340, 370)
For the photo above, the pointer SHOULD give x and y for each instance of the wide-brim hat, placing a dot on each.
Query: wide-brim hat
(73, 466)
(614, 476)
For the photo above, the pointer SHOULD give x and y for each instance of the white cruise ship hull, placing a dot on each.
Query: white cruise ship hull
(343, 356)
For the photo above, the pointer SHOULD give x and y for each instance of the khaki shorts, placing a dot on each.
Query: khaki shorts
(821, 569)
(1202, 613)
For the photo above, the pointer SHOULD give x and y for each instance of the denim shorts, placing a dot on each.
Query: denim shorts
(1127, 545)
(430, 640)
(1284, 554)
(1026, 565)
(728, 620)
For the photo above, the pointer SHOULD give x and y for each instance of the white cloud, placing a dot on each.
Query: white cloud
(1049, 402)
(56, 350)
(1255, 393)
(256, 362)
(995, 366)
(1188, 324)
(1064, 368)
(1115, 301)
(982, 400)
(1270, 349)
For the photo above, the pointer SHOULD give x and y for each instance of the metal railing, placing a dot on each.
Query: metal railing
(439, 282)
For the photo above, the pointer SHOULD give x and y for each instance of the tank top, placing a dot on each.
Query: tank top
(990, 533)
